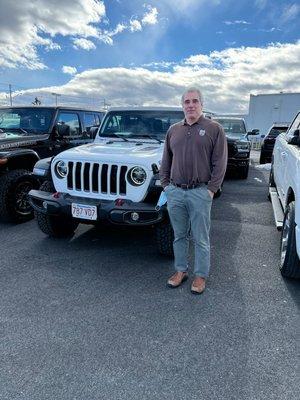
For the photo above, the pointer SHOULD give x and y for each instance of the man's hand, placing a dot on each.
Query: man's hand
(211, 193)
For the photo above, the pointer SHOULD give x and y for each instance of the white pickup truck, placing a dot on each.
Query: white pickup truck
(284, 192)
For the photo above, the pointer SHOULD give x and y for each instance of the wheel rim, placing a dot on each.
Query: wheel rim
(285, 237)
(21, 197)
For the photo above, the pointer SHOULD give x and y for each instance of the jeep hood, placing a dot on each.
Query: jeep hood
(10, 140)
(115, 151)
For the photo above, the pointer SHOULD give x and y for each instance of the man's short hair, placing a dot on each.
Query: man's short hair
(192, 89)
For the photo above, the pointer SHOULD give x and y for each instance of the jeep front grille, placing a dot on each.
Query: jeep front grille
(97, 178)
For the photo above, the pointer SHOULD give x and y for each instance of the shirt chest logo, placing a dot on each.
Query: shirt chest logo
(202, 132)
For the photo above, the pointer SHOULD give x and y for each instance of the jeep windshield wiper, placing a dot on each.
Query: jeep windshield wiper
(150, 137)
(112, 134)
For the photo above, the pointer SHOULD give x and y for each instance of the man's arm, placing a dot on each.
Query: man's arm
(219, 161)
(166, 162)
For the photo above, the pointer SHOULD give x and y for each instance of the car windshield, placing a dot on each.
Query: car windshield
(277, 130)
(26, 121)
(232, 127)
(146, 124)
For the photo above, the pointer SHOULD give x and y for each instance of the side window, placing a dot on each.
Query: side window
(293, 127)
(97, 119)
(69, 121)
(89, 121)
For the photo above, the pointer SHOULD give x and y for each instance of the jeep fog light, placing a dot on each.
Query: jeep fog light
(135, 216)
(137, 176)
(61, 169)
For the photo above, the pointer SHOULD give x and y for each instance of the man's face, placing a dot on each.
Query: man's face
(192, 107)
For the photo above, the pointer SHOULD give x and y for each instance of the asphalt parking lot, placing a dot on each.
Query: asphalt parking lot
(91, 318)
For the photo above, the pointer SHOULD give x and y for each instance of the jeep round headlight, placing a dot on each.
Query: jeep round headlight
(61, 169)
(137, 176)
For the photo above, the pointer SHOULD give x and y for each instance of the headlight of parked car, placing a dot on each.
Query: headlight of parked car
(137, 176)
(242, 146)
(61, 169)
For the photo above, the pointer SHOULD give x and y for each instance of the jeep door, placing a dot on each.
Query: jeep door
(70, 132)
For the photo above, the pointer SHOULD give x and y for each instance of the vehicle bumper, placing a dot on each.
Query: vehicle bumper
(47, 203)
(237, 162)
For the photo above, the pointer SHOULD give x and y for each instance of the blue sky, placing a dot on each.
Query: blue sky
(146, 52)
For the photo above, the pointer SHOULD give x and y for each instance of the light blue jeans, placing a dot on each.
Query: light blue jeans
(190, 209)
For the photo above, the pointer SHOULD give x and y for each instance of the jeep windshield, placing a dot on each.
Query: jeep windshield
(234, 128)
(26, 121)
(146, 124)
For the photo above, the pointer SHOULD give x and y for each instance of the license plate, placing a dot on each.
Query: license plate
(84, 212)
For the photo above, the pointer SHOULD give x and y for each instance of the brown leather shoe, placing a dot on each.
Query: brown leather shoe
(198, 285)
(177, 279)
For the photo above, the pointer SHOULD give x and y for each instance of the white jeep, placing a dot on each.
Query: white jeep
(114, 179)
(284, 192)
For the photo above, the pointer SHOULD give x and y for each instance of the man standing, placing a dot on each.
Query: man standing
(192, 170)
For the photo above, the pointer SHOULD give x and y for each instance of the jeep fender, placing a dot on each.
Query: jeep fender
(21, 158)
(42, 168)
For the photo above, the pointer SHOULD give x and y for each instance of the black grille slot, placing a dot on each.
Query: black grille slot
(95, 180)
(104, 178)
(78, 176)
(70, 175)
(86, 177)
(123, 179)
(113, 179)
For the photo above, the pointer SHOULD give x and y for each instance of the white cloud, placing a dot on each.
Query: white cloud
(261, 4)
(69, 70)
(84, 44)
(135, 25)
(290, 12)
(236, 22)
(150, 17)
(199, 59)
(226, 79)
(26, 25)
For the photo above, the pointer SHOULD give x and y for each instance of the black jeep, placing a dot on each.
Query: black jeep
(28, 134)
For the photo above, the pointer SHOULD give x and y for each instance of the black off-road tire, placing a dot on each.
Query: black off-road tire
(164, 236)
(243, 172)
(14, 188)
(290, 264)
(55, 226)
(262, 159)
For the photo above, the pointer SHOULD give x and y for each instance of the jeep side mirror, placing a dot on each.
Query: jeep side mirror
(62, 130)
(253, 132)
(93, 131)
(295, 139)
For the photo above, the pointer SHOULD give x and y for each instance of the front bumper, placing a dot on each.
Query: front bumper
(107, 210)
(238, 162)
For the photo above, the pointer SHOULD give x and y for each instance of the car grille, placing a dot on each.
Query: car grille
(97, 178)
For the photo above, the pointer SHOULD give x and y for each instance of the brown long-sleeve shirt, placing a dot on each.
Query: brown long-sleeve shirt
(195, 154)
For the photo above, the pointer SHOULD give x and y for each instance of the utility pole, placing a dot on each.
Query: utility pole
(105, 105)
(10, 96)
(56, 96)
